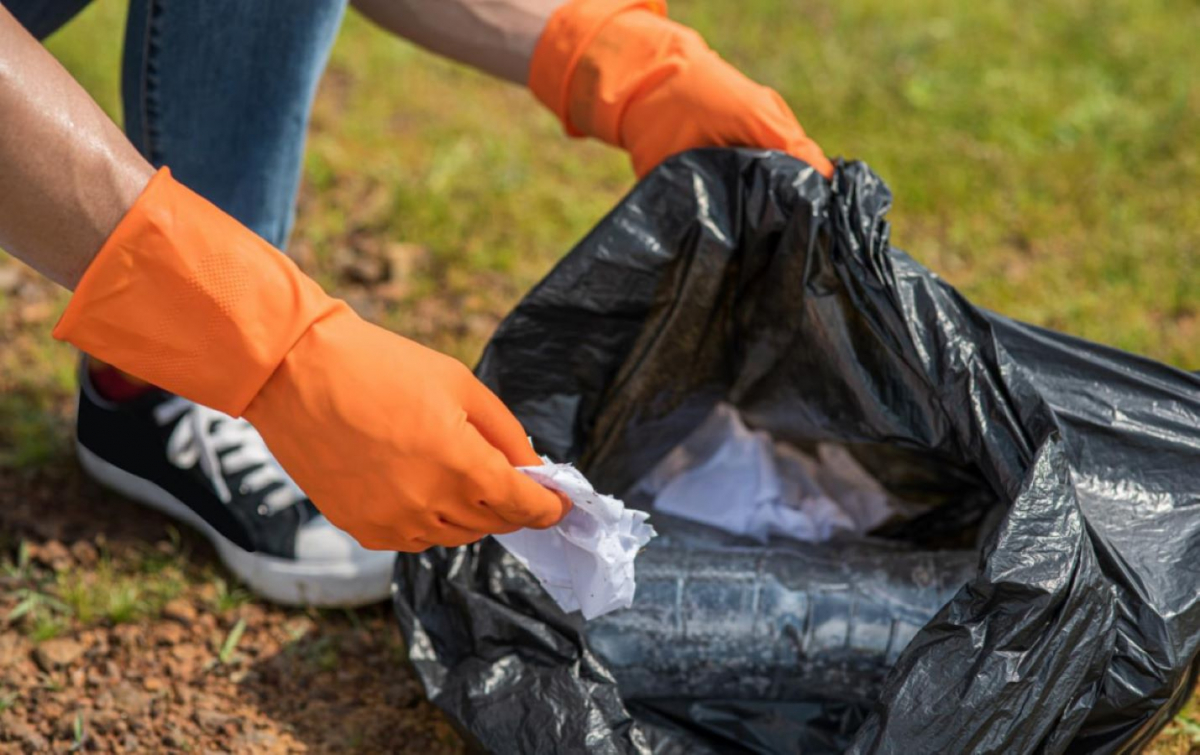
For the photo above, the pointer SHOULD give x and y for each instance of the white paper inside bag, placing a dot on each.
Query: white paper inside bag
(585, 561)
(738, 480)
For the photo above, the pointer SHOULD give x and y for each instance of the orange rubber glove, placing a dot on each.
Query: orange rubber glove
(620, 71)
(396, 444)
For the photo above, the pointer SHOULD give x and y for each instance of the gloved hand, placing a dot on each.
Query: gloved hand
(620, 71)
(398, 445)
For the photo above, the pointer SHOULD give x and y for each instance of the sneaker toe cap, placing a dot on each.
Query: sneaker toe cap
(320, 540)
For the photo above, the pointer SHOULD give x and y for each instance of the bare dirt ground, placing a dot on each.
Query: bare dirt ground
(198, 666)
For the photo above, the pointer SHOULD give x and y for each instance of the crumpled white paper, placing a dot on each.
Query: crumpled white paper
(585, 561)
(739, 480)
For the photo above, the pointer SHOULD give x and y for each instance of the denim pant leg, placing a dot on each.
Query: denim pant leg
(220, 92)
(41, 18)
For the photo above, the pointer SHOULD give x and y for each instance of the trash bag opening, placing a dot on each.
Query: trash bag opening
(747, 483)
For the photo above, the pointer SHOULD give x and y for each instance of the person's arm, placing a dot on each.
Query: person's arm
(67, 173)
(495, 36)
(398, 445)
(618, 70)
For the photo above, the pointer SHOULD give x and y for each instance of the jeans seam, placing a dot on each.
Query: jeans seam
(149, 105)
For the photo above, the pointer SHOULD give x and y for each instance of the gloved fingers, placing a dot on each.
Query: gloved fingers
(447, 535)
(796, 142)
(478, 516)
(529, 504)
(750, 115)
(451, 535)
(446, 531)
(499, 427)
(408, 545)
(506, 492)
(375, 539)
(654, 87)
(808, 151)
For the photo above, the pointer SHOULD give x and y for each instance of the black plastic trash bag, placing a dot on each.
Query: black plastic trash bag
(742, 277)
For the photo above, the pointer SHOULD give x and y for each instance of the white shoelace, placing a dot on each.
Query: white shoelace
(203, 434)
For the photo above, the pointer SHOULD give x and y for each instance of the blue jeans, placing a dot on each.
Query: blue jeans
(219, 91)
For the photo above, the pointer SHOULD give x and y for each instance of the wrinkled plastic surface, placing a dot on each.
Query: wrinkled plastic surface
(728, 618)
(741, 276)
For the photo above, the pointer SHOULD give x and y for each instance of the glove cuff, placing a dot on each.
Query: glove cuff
(567, 36)
(185, 297)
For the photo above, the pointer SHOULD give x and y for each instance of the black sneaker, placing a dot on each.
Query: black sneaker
(215, 473)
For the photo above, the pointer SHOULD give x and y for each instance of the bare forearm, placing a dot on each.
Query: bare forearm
(496, 36)
(67, 173)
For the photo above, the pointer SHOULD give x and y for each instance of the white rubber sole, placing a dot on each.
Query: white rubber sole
(325, 584)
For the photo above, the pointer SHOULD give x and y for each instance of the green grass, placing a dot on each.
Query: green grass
(229, 646)
(1043, 155)
(228, 597)
(133, 586)
(32, 431)
(117, 594)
